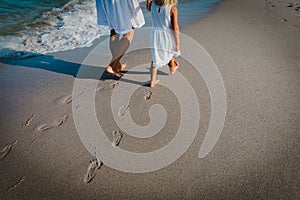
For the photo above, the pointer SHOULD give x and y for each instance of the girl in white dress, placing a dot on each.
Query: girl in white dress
(121, 16)
(164, 36)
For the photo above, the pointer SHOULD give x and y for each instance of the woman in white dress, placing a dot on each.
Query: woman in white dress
(121, 16)
(164, 36)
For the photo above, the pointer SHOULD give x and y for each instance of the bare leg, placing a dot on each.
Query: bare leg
(118, 48)
(113, 42)
(113, 45)
(123, 46)
(153, 76)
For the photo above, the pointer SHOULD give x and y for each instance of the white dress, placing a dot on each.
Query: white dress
(162, 40)
(120, 15)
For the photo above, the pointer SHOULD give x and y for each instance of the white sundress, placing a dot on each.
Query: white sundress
(162, 39)
(120, 15)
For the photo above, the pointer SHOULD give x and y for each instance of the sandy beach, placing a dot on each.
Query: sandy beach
(254, 43)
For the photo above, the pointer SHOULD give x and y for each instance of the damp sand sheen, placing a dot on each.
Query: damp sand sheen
(257, 157)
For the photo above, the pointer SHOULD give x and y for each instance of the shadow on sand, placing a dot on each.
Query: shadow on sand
(50, 63)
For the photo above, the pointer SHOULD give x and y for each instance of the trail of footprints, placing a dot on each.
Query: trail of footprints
(46, 126)
(66, 100)
(107, 85)
(4, 152)
(59, 121)
(56, 123)
(96, 164)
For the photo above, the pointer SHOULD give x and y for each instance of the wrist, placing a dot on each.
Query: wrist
(148, 4)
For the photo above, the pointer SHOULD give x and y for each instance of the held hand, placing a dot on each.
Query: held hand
(148, 5)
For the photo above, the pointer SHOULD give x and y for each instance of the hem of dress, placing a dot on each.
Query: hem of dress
(139, 26)
(125, 31)
(122, 32)
(162, 64)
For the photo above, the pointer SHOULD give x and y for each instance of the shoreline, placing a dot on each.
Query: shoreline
(61, 32)
(256, 156)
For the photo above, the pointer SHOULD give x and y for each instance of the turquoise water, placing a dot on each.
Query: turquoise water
(48, 26)
(15, 14)
(190, 11)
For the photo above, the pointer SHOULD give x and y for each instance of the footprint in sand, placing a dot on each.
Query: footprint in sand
(44, 127)
(67, 99)
(16, 184)
(56, 123)
(95, 165)
(147, 95)
(28, 121)
(123, 110)
(64, 100)
(117, 134)
(114, 84)
(100, 89)
(6, 149)
(106, 87)
(60, 121)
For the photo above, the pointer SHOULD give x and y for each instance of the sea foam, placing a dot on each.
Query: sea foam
(72, 26)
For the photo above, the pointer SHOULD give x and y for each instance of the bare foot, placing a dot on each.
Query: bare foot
(153, 83)
(173, 69)
(121, 67)
(110, 70)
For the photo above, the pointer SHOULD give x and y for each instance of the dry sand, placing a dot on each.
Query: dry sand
(256, 47)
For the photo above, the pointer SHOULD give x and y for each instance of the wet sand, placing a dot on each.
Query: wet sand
(256, 49)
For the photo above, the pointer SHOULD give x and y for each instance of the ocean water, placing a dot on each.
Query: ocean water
(33, 27)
